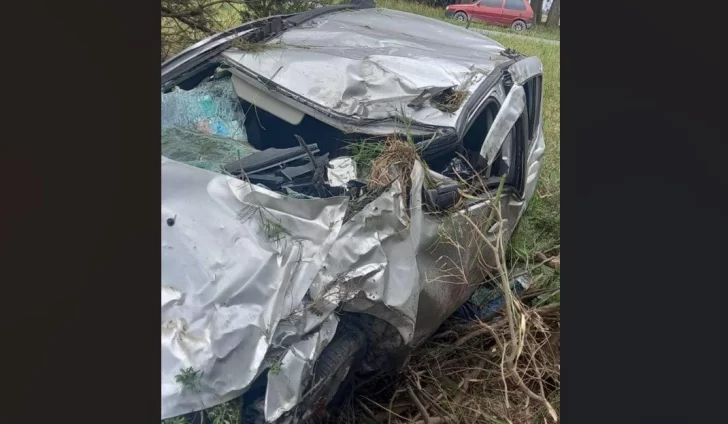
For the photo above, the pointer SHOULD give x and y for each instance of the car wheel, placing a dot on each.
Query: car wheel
(332, 371)
(518, 25)
(348, 345)
(461, 16)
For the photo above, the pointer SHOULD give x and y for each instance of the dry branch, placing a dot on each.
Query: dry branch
(552, 262)
(462, 382)
(418, 403)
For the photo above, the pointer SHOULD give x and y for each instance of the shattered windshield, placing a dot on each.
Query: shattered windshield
(203, 127)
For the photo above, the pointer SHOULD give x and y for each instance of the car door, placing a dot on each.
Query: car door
(488, 11)
(512, 10)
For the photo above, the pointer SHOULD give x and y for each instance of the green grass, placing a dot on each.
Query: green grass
(540, 31)
(540, 227)
(226, 413)
(175, 420)
(364, 152)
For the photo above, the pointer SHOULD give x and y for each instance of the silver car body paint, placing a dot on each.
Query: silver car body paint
(225, 285)
(368, 65)
(510, 111)
(232, 296)
(287, 379)
(525, 69)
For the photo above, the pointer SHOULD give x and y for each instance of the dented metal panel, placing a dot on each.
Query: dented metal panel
(525, 69)
(509, 113)
(229, 295)
(371, 262)
(225, 284)
(370, 64)
(287, 380)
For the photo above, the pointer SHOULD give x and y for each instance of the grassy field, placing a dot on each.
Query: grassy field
(439, 13)
(540, 228)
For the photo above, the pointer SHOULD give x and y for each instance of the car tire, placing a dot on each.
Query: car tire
(349, 343)
(461, 16)
(333, 370)
(518, 26)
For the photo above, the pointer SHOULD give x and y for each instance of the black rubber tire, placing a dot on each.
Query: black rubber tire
(341, 355)
(461, 16)
(348, 343)
(345, 350)
(518, 25)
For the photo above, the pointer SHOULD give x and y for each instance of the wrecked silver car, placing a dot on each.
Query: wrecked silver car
(293, 255)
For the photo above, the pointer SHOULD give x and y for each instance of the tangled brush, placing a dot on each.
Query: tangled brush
(468, 373)
(503, 369)
(394, 163)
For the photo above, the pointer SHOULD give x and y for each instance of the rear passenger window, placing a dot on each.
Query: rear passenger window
(491, 3)
(515, 5)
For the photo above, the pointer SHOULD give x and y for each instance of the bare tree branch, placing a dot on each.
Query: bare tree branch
(187, 21)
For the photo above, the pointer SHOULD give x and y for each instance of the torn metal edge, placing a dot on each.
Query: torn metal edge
(507, 116)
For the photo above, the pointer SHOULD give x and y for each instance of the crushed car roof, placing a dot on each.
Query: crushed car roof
(372, 63)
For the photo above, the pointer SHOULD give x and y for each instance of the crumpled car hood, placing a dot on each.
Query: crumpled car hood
(225, 284)
(232, 296)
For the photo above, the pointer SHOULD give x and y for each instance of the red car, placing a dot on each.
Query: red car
(516, 14)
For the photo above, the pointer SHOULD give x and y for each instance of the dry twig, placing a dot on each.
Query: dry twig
(418, 403)
(515, 386)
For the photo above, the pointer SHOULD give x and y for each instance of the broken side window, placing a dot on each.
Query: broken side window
(471, 171)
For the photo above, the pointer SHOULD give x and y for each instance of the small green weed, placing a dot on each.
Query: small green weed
(274, 230)
(226, 413)
(275, 365)
(364, 153)
(175, 420)
(269, 223)
(189, 379)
